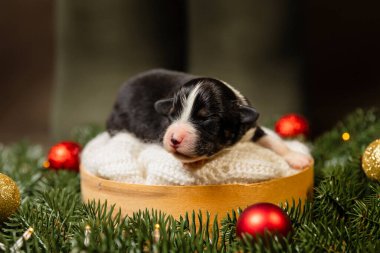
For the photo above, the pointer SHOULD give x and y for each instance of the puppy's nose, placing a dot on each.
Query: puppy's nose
(175, 141)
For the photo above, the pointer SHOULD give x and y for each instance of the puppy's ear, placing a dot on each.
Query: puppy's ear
(248, 115)
(163, 106)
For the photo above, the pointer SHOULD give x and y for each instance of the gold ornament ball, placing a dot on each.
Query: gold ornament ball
(371, 160)
(9, 197)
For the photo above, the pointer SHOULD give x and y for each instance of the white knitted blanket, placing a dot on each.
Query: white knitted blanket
(125, 158)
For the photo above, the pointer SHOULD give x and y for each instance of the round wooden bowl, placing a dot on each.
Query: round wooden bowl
(177, 200)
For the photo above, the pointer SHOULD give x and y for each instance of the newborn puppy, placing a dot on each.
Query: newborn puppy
(193, 117)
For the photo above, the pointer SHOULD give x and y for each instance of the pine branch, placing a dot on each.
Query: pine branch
(343, 215)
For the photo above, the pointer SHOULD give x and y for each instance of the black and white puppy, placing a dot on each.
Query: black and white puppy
(193, 117)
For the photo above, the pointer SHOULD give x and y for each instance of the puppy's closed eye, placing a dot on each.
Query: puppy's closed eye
(203, 113)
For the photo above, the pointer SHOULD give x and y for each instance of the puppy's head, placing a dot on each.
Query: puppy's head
(206, 116)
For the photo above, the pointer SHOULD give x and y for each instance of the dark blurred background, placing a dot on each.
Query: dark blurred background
(62, 62)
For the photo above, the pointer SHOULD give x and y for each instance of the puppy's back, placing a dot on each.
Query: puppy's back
(134, 110)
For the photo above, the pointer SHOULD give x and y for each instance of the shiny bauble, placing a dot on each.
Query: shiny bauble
(291, 126)
(261, 217)
(64, 155)
(371, 160)
(9, 197)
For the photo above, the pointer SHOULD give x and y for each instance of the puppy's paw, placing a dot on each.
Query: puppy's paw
(297, 160)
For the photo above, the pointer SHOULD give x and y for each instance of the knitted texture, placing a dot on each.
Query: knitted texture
(125, 158)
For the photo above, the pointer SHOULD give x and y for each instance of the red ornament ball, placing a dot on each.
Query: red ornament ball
(259, 217)
(292, 125)
(64, 155)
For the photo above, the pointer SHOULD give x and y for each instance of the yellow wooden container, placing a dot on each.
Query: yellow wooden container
(177, 200)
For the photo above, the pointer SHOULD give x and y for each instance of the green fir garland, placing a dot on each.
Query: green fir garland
(344, 215)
